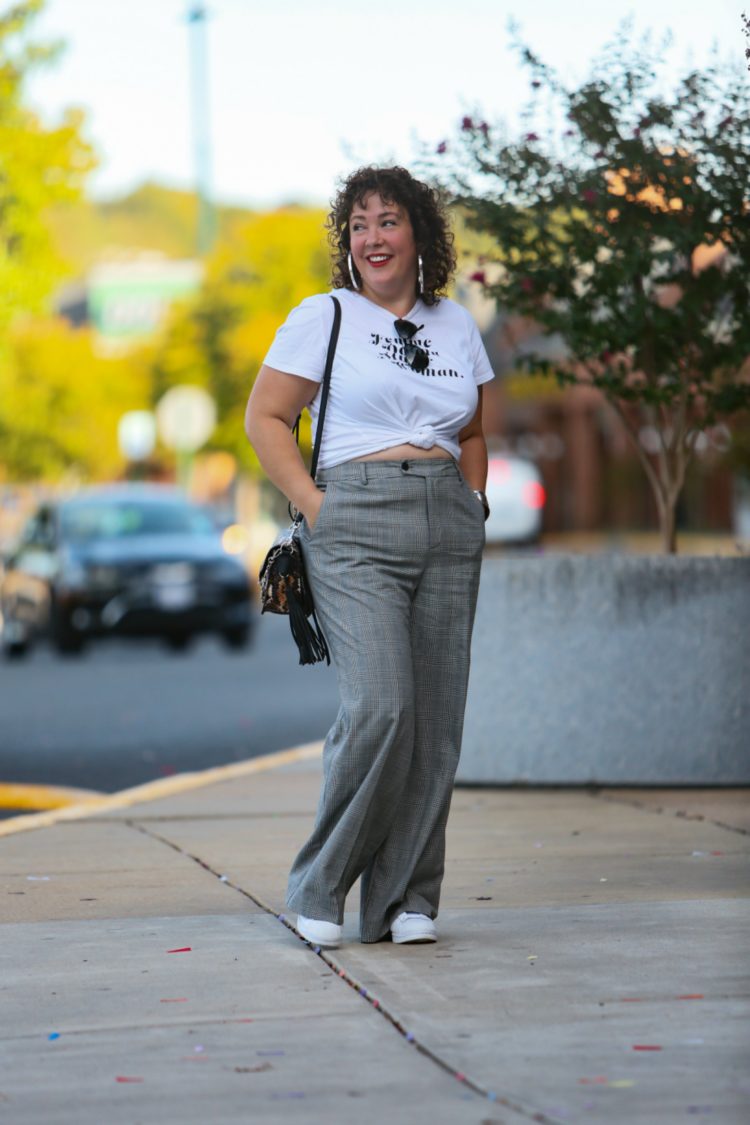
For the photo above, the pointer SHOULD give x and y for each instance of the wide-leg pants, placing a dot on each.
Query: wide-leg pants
(393, 563)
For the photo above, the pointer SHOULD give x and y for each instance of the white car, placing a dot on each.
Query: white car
(516, 497)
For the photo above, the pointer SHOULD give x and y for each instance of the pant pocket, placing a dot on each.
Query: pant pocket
(312, 532)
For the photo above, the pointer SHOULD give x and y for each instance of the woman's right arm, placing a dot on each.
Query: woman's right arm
(276, 400)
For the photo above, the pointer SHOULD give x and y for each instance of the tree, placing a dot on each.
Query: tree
(624, 226)
(219, 339)
(61, 403)
(149, 218)
(39, 166)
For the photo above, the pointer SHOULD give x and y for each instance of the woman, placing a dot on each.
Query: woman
(392, 537)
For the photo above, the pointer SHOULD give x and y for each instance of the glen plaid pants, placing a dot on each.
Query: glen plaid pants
(393, 563)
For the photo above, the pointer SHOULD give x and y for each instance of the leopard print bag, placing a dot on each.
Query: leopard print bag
(284, 589)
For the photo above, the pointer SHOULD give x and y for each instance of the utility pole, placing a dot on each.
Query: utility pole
(196, 19)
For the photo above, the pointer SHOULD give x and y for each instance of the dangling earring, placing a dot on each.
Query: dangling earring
(351, 269)
(420, 277)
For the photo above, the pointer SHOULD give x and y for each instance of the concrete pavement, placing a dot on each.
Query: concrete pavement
(592, 963)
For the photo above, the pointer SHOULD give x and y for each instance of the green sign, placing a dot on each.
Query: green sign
(130, 300)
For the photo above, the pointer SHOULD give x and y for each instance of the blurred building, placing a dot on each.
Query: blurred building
(126, 301)
(592, 474)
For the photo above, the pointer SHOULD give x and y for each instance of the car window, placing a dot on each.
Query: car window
(39, 531)
(82, 522)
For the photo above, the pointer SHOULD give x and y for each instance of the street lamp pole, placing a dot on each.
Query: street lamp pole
(196, 19)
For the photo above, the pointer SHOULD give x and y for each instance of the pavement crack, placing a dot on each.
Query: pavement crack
(344, 975)
(661, 810)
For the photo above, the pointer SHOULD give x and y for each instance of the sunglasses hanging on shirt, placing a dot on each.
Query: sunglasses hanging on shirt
(416, 357)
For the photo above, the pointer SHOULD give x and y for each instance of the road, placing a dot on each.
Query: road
(128, 712)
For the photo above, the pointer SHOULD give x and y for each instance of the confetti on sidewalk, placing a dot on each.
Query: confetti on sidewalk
(54, 1035)
(38, 878)
(127, 1078)
(602, 1080)
(642, 999)
(183, 949)
(646, 1047)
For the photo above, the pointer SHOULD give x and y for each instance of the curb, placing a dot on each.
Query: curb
(17, 795)
(162, 787)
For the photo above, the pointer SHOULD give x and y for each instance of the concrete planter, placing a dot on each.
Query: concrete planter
(610, 669)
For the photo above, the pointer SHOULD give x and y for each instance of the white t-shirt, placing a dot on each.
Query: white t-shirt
(376, 400)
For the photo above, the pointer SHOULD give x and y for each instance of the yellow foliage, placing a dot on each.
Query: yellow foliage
(39, 166)
(525, 386)
(150, 218)
(60, 403)
(218, 340)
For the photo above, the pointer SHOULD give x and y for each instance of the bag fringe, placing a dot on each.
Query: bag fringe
(307, 636)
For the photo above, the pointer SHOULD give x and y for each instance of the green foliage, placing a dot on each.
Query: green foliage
(624, 226)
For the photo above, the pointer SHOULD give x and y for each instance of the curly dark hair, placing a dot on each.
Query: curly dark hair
(426, 211)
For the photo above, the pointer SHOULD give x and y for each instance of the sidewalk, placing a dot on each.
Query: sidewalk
(592, 965)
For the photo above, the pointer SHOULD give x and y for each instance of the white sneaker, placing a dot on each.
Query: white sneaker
(325, 934)
(410, 927)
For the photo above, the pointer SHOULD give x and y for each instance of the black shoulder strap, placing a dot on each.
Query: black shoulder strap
(326, 384)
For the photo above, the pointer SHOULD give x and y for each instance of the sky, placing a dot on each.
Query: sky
(303, 91)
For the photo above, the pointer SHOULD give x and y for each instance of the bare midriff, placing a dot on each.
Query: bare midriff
(406, 453)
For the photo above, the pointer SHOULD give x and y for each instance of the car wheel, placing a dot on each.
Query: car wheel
(15, 639)
(237, 638)
(68, 643)
(65, 638)
(178, 642)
